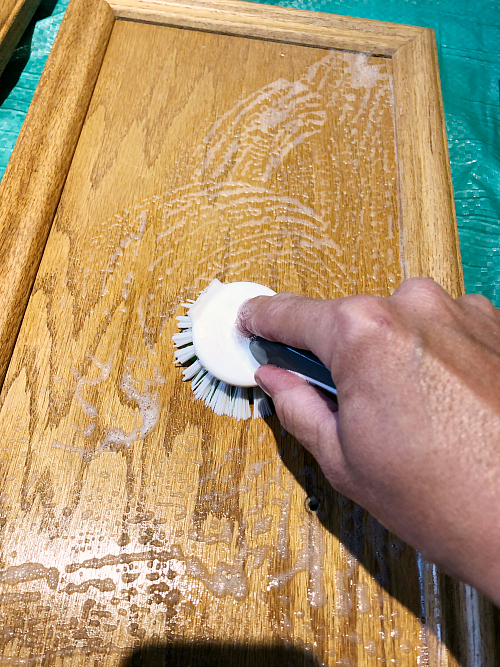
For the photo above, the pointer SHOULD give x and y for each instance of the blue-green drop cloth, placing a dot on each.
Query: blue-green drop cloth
(468, 38)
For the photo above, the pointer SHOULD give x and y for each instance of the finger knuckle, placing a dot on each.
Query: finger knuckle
(477, 301)
(363, 317)
(423, 293)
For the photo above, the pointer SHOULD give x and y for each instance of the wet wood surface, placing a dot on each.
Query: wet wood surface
(31, 186)
(137, 526)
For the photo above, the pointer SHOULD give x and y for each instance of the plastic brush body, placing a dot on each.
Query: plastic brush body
(221, 362)
(302, 362)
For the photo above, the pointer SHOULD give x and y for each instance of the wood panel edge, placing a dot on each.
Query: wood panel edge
(429, 241)
(290, 25)
(473, 639)
(36, 172)
(430, 247)
(13, 28)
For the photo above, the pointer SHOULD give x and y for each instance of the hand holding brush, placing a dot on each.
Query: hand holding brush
(415, 437)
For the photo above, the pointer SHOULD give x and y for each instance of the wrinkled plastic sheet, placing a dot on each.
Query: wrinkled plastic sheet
(468, 38)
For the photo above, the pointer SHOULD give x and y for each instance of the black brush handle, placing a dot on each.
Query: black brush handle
(292, 359)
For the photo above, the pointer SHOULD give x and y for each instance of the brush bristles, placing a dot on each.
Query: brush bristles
(261, 406)
(222, 398)
(183, 322)
(183, 338)
(184, 354)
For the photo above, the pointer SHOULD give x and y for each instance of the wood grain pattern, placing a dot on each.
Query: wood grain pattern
(14, 18)
(35, 174)
(431, 247)
(279, 24)
(136, 525)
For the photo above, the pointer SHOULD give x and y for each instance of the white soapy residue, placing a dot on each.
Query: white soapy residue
(343, 602)
(243, 181)
(125, 289)
(148, 403)
(309, 558)
(225, 535)
(81, 382)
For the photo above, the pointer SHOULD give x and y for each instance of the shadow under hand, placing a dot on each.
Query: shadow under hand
(391, 562)
(215, 654)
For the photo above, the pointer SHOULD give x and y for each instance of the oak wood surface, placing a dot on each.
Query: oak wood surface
(277, 23)
(430, 245)
(133, 516)
(35, 174)
(14, 18)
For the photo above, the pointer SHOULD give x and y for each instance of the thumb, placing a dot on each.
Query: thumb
(307, 414)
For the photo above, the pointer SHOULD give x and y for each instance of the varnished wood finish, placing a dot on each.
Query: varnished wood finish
(14, 17)
(134, 519)
(279, 24)
(430, 238)
(35, 174)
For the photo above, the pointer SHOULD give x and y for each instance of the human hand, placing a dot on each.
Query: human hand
(416, 435)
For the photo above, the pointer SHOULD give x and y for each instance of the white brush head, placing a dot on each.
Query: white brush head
(219, 346)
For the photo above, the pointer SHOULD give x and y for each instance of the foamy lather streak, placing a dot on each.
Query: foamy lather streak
(222, 367)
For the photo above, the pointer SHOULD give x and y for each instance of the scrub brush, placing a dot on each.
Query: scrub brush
(222, 361)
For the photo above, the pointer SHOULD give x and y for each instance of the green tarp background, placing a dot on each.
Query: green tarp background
(468, 38)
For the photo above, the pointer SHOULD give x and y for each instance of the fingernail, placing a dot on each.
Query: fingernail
(241, 319)
(262, 386)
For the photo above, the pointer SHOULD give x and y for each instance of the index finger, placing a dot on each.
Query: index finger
(341, 332)
(291, 319)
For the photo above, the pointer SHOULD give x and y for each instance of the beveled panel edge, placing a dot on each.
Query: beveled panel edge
(281, 24)
(34, 178)
(429, 239)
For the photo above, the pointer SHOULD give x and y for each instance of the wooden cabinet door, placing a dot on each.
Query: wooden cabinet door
(185, 145)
